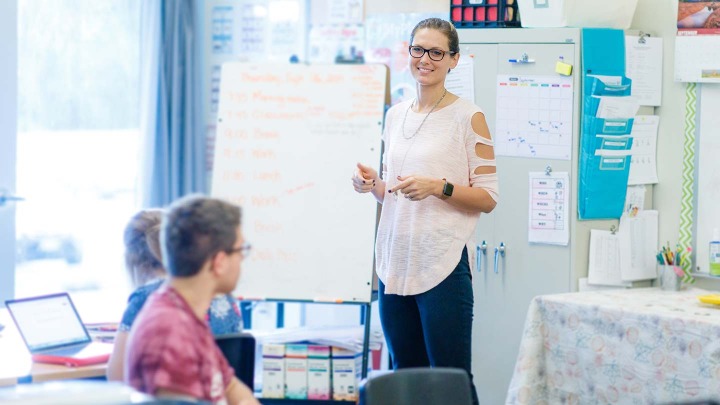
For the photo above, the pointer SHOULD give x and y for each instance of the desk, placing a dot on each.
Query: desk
(637, 346)
(16, 365)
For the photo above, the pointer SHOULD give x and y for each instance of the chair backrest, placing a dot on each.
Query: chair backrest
(412, 386)
(239, 350)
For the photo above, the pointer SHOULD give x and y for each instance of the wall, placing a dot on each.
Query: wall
(407, 6)
(658, 17)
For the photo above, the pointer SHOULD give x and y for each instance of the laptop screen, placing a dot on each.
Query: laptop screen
(48, 321)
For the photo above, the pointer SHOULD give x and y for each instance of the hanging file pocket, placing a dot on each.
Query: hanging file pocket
(595, 90)
(595, 86)
(607, 134)
(611, 162)
(604, 166)
(612, 145)
(608, 126)
(604, 176)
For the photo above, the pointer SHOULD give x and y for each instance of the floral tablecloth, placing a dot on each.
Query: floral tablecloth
(636, 346)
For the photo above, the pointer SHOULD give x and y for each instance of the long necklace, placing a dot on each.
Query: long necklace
(423, 121)
(402, 165)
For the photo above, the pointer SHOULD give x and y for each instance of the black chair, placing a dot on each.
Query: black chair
(239, 350)
(412, 386)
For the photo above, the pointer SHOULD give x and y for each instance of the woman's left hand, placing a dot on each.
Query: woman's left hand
(416, 188)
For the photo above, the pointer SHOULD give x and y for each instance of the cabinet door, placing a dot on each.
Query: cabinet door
(527, 270)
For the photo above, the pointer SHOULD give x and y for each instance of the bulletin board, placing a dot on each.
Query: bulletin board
(707, 172)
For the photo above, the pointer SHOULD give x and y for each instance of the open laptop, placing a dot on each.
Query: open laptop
(54, 333)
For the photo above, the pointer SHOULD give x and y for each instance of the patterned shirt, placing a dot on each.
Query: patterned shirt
(224, 315)
(170, 348)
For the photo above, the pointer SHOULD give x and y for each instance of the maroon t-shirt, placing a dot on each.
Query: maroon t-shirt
(170, 348)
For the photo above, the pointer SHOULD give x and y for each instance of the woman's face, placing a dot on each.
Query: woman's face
(425, 70)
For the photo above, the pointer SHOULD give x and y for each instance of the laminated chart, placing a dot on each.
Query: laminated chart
(534, 116)
(549, 201)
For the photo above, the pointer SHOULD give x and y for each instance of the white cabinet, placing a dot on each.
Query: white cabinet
(527, 270)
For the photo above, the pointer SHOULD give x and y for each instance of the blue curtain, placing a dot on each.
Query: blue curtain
(174, 162)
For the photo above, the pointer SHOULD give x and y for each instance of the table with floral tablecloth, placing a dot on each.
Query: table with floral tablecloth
(627, 346)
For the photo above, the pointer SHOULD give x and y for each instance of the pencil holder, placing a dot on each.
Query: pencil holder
(669, 277)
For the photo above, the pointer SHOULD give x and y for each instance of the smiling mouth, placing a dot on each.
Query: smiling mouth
(424, 69)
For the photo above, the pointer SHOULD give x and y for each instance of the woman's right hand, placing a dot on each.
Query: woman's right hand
(365, 178)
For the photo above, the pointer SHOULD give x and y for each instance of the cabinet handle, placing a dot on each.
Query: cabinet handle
(481, 252)
(500, 250)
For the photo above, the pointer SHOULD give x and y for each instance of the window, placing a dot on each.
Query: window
(78, 148)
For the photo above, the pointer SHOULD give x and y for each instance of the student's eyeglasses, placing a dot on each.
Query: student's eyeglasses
(243, 249)
(435, 54)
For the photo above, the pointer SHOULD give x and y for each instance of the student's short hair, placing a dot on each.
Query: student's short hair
(443, 26)
(194, 229)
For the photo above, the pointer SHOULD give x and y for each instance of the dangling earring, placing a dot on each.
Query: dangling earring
(449, 70)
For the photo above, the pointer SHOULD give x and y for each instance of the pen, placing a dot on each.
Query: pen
(521, 60)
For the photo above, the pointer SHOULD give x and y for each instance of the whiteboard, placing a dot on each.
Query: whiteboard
(288, 139)
(707, 173)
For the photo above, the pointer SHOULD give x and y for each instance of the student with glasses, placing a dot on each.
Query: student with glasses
(143, 261)
(438, 176)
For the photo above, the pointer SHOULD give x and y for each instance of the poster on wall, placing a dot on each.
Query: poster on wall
(698, 17)
(329, 12)
(387, 41)
(697, 45)
(336, 44)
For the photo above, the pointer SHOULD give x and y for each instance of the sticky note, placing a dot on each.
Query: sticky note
(563, 68)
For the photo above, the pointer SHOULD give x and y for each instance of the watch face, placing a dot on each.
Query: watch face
(448, 189)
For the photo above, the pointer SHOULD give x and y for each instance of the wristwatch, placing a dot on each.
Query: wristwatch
(447, 188)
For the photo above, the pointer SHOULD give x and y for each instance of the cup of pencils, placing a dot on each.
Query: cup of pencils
(670, 272)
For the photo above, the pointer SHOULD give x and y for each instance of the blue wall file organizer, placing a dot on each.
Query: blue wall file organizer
(605, 143)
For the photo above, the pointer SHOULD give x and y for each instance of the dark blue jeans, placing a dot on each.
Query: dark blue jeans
(432, 329)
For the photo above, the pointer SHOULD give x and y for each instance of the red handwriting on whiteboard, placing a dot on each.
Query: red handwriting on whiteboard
(263, 134)
(273, 176)
(232, 153)
(235, 133)
(263, 154)
(300, 188)
(261, 202)
(233, 175)
(268, 226)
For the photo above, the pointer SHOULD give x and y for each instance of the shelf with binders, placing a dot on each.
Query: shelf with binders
(277, 401)
(283, 352)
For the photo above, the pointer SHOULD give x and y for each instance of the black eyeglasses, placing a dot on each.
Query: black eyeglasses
(435, 54)
(244, 249)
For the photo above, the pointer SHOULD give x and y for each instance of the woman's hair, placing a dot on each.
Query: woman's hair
(442, 26)
(143, 257)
